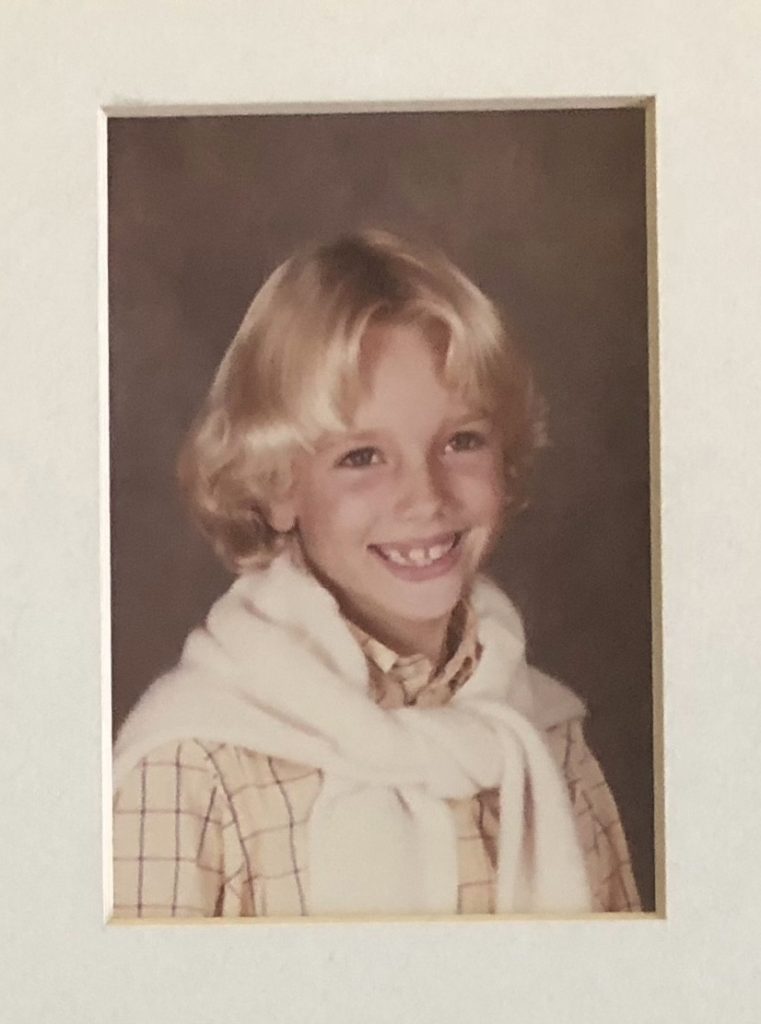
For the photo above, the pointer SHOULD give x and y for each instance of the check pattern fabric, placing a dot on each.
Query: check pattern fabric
(210, 829)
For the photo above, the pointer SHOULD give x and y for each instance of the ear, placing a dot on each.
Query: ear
(282, 514)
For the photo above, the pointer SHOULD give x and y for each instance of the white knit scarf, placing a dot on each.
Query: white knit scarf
(277, 671)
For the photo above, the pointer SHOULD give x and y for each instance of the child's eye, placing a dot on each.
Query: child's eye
(466, 441)
(358, 458)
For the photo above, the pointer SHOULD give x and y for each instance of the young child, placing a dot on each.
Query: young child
(355, 729)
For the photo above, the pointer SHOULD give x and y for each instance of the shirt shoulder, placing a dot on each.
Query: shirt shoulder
(202, 767)
(185, 820)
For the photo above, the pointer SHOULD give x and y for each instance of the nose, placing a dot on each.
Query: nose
(421, 490)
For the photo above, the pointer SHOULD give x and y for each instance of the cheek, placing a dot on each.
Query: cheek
(480, 488)
(346, 506)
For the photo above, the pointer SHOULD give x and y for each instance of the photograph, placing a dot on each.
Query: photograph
(379, 502)
(383, 549)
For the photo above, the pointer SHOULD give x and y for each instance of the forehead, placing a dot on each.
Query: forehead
(402, 371)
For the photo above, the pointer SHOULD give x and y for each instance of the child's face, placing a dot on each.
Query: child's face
(397, 514)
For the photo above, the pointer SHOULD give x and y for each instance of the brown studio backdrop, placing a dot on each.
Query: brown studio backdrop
(545, 210)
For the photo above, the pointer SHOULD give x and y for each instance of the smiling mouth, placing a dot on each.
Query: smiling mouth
(419, 554)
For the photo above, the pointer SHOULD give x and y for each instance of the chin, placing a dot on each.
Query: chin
(428, 606)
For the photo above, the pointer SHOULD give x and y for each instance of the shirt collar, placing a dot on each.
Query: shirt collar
(398, 680)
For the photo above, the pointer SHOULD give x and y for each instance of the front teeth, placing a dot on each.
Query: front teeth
(419, 556)
(395, 557)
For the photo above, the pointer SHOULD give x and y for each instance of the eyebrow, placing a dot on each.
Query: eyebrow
(355, 438)
(475, 418)
(350, 437)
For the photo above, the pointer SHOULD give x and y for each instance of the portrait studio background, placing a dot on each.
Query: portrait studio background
(545, 210)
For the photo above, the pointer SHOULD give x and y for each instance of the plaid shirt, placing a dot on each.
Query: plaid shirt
(209, 829)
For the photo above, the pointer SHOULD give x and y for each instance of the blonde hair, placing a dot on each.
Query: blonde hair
(292, 373)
